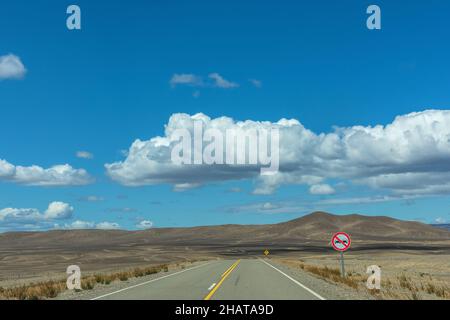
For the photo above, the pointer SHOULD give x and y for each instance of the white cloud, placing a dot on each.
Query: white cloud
(410, 156)
(269, 184)
(11, 67)
(58, 210)
(59, 175)
(122, 210)
(20, 215)
(307, 206)
(440, 220)
(149, 162)
(84, 155)
(366, 200)
(107, 226)
(221, 82)
(6, 169)
(180, 187)
(186, 79)
(55, 211)
(321, 189)
(80, 225)
(145, 224)
(268, 208)
(91, 198)
(256, 83)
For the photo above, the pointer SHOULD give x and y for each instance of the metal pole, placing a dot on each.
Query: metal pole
(342, 265)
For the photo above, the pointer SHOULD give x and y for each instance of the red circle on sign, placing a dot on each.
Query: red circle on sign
(343, 244)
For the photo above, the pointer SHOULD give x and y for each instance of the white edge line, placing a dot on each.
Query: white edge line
(146, 282)
(295, 281)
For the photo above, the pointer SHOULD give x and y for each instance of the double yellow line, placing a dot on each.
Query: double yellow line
(222, 279)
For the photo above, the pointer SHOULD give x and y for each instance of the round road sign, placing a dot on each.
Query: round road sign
(341, 241)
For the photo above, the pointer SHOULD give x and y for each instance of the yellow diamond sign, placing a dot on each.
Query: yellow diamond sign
(266, 253)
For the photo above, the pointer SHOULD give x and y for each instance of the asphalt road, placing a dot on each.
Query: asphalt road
(244, 279)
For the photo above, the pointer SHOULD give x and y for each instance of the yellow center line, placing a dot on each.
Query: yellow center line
(223, 277)
(223, 274)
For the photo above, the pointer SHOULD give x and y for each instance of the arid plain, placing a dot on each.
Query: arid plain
(414, 257)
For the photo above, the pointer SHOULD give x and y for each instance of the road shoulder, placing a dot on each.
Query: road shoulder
(326, 289)
(100, 289)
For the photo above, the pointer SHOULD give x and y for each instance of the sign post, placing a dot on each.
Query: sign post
(341, 242)
(342, 265)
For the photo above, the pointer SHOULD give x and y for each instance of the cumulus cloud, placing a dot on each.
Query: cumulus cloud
(59, 175)
(58, 210)
(11, 67)
(149, 162)
(144, 224)
(34, 219)
(321, 189)
(81, 225)
(84, 155)
(6, 169)
(78, 224)
(410, 156)
(107, 226)
(55, 211)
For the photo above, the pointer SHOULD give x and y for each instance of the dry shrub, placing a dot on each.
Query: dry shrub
(123, 276)
(332, 274)
(50, 289)
(407, 283)
(34, 291)
(88, 283)
(401, 287)
(437, 290)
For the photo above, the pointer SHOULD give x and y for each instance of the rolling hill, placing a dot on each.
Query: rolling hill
(317, 226)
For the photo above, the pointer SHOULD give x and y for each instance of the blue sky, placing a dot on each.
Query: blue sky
(100, 88)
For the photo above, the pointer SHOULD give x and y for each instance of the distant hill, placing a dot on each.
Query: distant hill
(317, 226)
(320, 225)
(445, 226)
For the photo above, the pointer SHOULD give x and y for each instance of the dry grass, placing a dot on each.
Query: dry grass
(50, 289)
(402, 286)
(440, 291)
(332, 274)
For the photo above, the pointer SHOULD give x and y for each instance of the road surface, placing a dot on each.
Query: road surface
(246, 279)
